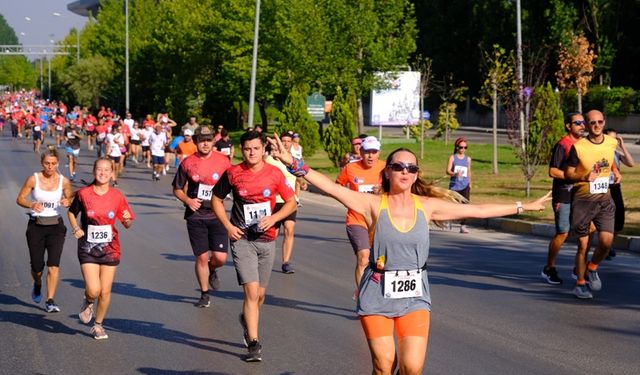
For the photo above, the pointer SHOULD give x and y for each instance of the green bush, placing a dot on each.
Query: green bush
(595, 98)
(619, 101)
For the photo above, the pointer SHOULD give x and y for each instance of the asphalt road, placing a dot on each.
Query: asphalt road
(492, 314)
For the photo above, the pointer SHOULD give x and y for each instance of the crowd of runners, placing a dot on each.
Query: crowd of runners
(390, 207)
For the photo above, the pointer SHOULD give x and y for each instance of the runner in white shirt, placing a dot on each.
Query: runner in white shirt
(115, 142)
(157, 143)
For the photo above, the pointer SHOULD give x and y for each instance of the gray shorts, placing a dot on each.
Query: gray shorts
(562, 215)
(359, 238)
(253, 261)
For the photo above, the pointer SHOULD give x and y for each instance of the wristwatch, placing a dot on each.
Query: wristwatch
(519, 207)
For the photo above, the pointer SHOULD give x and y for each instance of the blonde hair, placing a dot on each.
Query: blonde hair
(50, 150)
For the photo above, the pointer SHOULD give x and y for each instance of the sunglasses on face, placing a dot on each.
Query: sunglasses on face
(399, 167)
(579, 122)
(461, 147)
(594, 122)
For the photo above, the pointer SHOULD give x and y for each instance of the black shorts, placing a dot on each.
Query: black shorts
(135, 142)
(37, 136)
(91, 132)
(601, 213)
(207, 235)
(291, 217)
(465, 192)
(41, 238)
(146, 148)
(616, 195)
(115, 159)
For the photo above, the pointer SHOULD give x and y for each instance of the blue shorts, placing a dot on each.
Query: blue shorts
(562, 215)
(72, 152)
(157, 160)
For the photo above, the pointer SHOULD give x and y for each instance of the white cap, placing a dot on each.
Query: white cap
(370, 143)
(188, 132)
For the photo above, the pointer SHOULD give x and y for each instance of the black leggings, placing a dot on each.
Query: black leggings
(41, 238)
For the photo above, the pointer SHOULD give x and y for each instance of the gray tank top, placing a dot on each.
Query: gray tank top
(403, 250)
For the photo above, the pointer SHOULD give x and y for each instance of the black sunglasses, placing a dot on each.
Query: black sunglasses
(579, 122)
(593, 122)
(461, 147)
(399, 167)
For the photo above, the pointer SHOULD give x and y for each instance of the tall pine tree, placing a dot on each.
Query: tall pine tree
(341, 129)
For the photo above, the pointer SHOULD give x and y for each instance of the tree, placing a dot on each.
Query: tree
(295, 117)
(545, 129)
(425, 66)
(341, 129)
(450, 92)
(575, 66)
(88, 78)
(499, 82)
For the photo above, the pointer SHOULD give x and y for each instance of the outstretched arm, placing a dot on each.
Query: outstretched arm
(361, 203)
(441, 210)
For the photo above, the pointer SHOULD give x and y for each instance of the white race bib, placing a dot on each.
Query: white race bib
(366, 188)
(255, 211)
(99, 233)
(205, 192)
(599, 186)
(403, 284)
(49, 208)
(226, 150)
(461, 170)
(36, 128)
(70, 135)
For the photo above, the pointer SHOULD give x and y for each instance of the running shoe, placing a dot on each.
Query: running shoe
(50, 306)
(72, 177)
(594, 280)
(245, 330)
(582, 292)
(98, 332)
(214, 280)
(86, 311)
(203, 301)
(463, 229)
(36, 293)
(286, 268)
(550, 274)
(254, 352)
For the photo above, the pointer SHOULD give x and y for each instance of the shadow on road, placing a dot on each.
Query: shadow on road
(37, 321)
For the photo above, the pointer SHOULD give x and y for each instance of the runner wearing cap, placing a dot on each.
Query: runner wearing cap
(157, 143)
(187, 147)
(199, 173)
(296, 149)
(363, 176)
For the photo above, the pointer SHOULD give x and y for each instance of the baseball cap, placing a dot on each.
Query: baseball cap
(188, 132)
(370, 143)
(356, 141)
(204, 131)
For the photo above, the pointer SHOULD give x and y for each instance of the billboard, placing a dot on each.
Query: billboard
(399, 103)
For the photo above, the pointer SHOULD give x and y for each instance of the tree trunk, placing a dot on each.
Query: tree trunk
(360, 117)
(494, 107)
(579, 102)
(263, 115)
(446, 125)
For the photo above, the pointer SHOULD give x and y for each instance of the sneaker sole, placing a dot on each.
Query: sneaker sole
(203, 306)
(101, 337)
(548, 280)
(253, 359)
(584, 297)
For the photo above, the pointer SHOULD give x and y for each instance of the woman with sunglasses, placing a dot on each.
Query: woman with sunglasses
(394, 289)
(459, 168)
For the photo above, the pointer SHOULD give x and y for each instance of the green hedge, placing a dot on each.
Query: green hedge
(614, 101)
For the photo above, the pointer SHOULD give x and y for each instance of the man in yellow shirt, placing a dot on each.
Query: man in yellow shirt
(590, 162)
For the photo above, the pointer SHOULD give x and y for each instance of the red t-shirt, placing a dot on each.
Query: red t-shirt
(355, 177)
(100, 210)
(254, 196)
(200, 175)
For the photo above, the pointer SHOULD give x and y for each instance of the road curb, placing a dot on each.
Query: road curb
(621, 241)
(512, 225)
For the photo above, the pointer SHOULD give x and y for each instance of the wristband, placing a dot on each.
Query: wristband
(75, 229)
(519, 208)
(298, 168)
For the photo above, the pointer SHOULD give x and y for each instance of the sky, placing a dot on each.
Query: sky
(38, 22)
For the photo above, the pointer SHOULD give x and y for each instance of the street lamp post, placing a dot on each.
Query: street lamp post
(520, 74)
(254, 65)
(126, 54)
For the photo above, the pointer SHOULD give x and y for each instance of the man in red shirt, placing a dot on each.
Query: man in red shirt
(251, 227)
